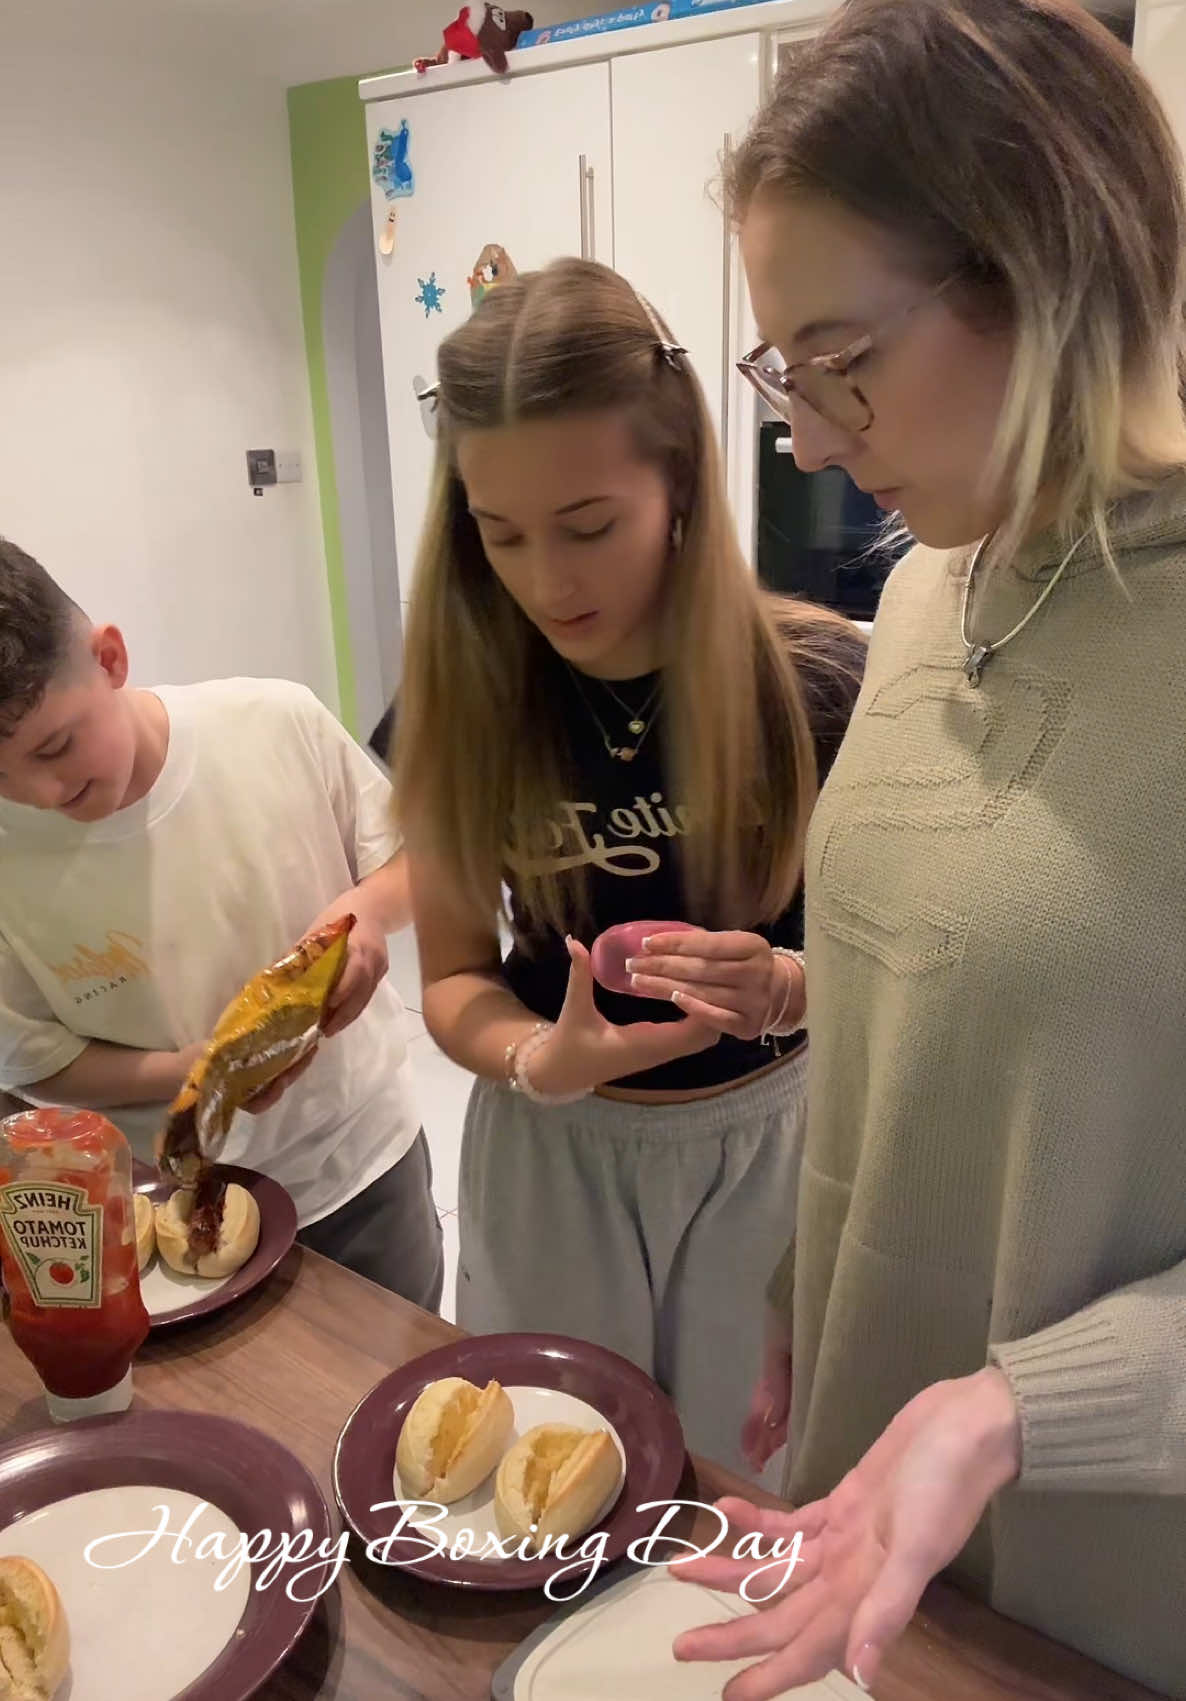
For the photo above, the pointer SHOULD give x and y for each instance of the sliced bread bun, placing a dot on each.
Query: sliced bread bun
(145, 1228)
(237, 1239)
(556, 1481)
(452, 1439)
(34, 1639)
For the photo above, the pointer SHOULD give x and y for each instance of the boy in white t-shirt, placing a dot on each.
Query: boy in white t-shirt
(157, 849)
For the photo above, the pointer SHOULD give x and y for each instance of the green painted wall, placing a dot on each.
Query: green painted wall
(329, 182)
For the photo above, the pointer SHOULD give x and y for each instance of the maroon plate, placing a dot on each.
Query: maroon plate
(364, 1459)
(243, 1472)
(277, 1231)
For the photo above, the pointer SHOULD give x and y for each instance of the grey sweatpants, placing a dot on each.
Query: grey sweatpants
(649, 1229)
(390, 1232)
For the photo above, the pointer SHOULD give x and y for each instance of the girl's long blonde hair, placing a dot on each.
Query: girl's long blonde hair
(1014, 144)
(482, 756)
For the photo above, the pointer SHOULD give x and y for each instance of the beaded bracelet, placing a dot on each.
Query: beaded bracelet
(517, 1054)
(778, 1028)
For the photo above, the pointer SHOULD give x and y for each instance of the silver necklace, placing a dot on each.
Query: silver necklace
(977, 656)
(638, 726)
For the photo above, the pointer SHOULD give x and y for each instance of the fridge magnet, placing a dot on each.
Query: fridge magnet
(494, 266)
(390, 167)
(480, 32)
(387, 234)
(431, 294)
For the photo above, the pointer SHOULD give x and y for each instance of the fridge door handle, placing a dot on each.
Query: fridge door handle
(588, 229)
(726, 308)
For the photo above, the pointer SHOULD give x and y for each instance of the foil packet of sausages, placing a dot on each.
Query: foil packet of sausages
(270, 1025)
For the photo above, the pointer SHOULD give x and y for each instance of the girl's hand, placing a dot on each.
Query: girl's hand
(585, 1050)
(732, 982)
(870, 1549)
(765, 1428)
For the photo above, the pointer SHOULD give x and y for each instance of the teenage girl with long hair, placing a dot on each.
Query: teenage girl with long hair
(603, 714)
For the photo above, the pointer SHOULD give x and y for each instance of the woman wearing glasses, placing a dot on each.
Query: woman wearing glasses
(601, 709)
(977, 203)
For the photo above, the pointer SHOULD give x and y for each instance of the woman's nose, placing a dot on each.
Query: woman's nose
(552, 578)
(815, 442)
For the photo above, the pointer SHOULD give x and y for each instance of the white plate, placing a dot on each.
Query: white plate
(620, 1645)
(163, 1289)
(177, 1618)
(532, 1406)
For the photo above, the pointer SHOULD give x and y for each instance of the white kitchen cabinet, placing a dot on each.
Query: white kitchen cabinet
(1159, 47)
(524, 163)
(676, 112)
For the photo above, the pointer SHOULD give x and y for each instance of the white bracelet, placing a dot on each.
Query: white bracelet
(517, 1055)
(779, 1028)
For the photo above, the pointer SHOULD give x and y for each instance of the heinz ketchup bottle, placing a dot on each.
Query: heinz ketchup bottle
(68, 1252)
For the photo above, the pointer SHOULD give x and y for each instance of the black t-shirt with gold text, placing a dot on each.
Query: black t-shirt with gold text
(622, 827)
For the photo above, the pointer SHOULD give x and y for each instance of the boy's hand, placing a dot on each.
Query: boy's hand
(365, 966)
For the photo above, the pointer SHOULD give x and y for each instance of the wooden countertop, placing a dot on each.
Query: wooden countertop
(294, 1359)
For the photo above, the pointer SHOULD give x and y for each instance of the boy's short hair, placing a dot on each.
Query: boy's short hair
(38, 622)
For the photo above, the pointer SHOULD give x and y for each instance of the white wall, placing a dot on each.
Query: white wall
(149, 313)
(302, 41)
(150, 334)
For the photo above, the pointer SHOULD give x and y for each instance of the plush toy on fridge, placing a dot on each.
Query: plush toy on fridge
(480, 32)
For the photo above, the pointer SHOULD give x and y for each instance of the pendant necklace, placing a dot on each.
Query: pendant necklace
(638, 725)
(977, 656)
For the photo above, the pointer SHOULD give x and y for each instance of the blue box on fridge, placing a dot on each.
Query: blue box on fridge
(627, 18)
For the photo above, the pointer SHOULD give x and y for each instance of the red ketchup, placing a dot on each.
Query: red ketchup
(613, 949)
(68, 1255)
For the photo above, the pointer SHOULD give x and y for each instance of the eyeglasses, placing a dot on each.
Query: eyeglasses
(825, 382)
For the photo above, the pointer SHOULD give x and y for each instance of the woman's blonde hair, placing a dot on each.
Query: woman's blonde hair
(1014, 144)
(482, 757)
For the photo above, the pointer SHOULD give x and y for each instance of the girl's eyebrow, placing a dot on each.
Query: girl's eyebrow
(569, 508)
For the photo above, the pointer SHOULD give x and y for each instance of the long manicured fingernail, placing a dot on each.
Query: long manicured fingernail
(678, 997)
(864, 1666)
(632, 965)
(646, 944)
(634, 980)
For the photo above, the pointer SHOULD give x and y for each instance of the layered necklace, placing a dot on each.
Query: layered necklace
(638, 721)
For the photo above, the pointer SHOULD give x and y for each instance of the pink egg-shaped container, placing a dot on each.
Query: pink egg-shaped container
(613, 949)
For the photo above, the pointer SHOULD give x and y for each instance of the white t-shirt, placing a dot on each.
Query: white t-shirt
(140, 928)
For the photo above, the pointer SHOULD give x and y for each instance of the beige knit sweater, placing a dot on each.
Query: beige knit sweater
(995, 1166)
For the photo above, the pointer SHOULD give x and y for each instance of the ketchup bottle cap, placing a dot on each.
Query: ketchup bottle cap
(116, 1399)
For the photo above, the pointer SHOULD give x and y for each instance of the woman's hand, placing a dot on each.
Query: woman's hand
(585, 1050)
(870, 1549)
(765, 1428)
(732, 982)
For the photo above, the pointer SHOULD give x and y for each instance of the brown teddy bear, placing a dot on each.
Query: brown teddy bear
(480, 32)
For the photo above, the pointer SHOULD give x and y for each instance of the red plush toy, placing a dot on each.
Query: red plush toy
(480, 32)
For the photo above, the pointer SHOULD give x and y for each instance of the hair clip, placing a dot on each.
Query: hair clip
(668, 351)
(428, 401)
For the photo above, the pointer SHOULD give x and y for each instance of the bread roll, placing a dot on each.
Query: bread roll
(145, 1228)
(238, 1234)
(34, 1639)
(452, 1439)
(556, 1481)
